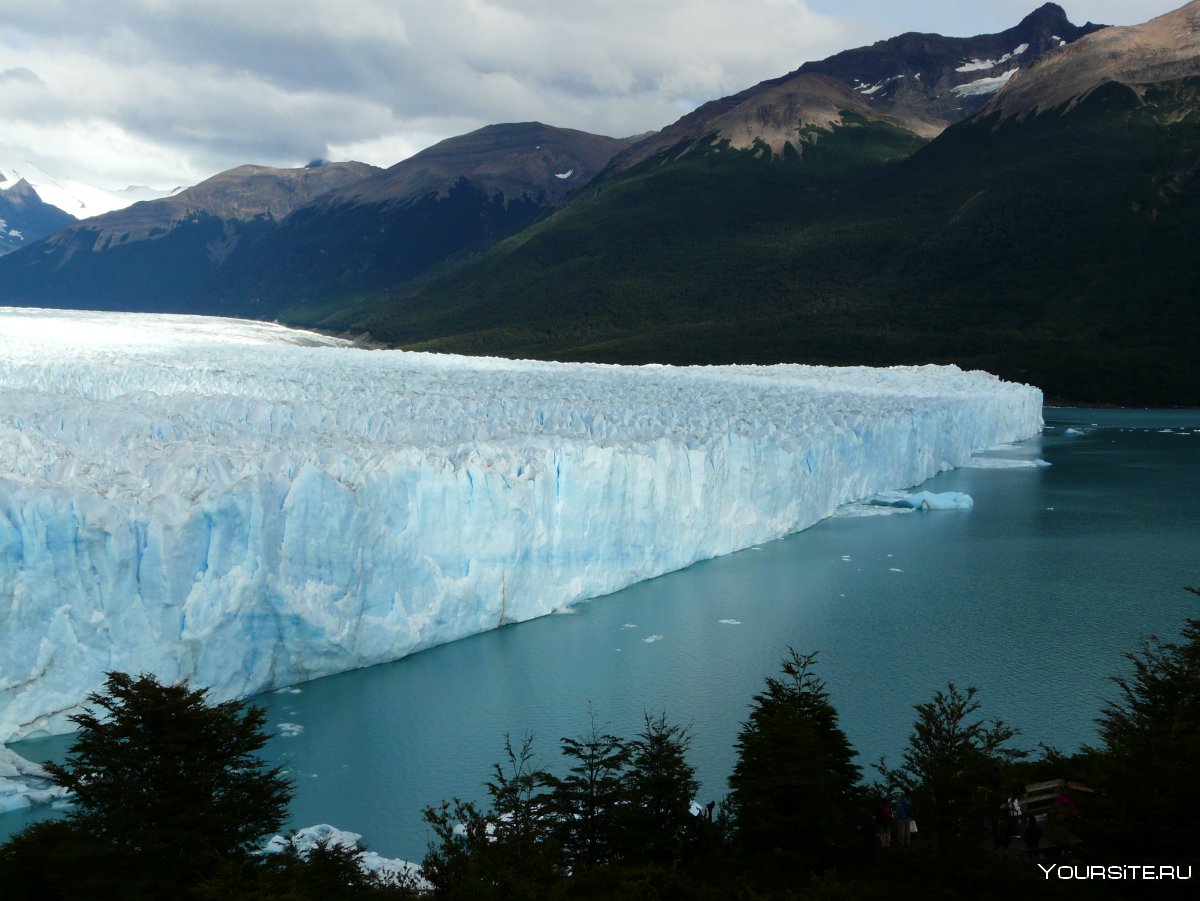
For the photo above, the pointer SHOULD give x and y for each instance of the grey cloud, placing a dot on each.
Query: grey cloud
(222, 82)
(21, 76)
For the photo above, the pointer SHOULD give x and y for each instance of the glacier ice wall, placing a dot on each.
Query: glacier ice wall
(214, 500)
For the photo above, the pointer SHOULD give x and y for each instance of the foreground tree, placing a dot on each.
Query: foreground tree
(1145, 765)
(660, 785)
(167, 788)
(588, 800)
(949, 759)
(507, 853)
(792, 791)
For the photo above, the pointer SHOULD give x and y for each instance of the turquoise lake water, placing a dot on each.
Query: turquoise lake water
(1033, 596)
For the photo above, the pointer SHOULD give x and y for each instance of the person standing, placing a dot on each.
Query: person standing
(1033, 837)
(883, 824)
(1014, 812)
(903, 819)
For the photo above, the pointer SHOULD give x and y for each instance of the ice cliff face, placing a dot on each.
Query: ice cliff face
(212, 500)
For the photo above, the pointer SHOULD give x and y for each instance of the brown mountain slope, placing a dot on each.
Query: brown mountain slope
(917, 82)
(771, 115)
(1161, 50)
(239, 194)
(518, 159)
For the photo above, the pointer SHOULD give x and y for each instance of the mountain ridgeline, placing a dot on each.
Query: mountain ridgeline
(1024, 202)
(25, 218)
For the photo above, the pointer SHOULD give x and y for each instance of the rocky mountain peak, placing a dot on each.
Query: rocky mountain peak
(1164, 49)
(519, 159)
(239, 194)
(919, 82)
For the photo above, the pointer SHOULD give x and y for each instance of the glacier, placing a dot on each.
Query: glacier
(247, 506)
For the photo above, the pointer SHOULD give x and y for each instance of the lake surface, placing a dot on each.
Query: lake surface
(1033, 596)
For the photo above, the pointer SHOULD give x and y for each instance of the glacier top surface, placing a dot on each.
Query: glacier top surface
(135, 404)
(246, 506)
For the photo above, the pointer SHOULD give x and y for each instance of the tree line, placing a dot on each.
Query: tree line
(172, 800)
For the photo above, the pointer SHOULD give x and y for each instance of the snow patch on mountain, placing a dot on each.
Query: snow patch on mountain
(79, 199)
(984, 85)
(978, 65)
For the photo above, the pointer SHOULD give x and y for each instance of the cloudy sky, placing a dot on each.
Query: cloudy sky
(169, 92)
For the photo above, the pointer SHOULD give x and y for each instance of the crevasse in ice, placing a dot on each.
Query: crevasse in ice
(247, 507)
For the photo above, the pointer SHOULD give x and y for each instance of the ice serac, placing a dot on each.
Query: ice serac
(214, 500)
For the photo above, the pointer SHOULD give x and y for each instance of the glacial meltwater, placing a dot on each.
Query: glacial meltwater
(1033, 596)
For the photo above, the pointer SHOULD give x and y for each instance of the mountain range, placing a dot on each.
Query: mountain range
(1023, 202)
(24, 217)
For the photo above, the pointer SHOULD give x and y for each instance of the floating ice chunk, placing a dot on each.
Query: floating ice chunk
(929, 500)
(288, 690)
(1003, 463)
(1073, 432)
(652, 639)
(895, 569)
(730, 622)
(998, 463)
(290, 729)
(391, 870)
(24, 783)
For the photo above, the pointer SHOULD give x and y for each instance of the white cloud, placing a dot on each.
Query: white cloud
(163, 92)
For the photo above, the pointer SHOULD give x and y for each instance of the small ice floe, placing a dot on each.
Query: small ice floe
(392, 871)
(566, 610)
(929, 500)
(629, 626)
(730, 622)
(845, 558)
(1073, 432)
(895, 569)
(24, 783)
(652, 639)
(1042, 464)
(288, 690)
(289, 730)
(1002, 463)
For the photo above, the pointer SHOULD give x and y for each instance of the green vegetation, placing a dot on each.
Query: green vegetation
(794, 786)
(1055, 250)
(170, 800)
(949, 756)
(171, 803)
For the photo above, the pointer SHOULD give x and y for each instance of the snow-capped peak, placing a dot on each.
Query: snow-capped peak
(77, 198)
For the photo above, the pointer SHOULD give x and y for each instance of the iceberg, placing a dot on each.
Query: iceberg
(248, 507)
(930, 500)
(388, 870)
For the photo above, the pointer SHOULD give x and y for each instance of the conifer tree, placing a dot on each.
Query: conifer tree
(1148, 791)
(507, 853)
(166, 786)
(792, 791)
(948, 761)
(660, 785)
(588, 800)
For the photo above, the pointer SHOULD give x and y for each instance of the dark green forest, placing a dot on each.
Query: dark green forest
(1055, 249)
(171, 801)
